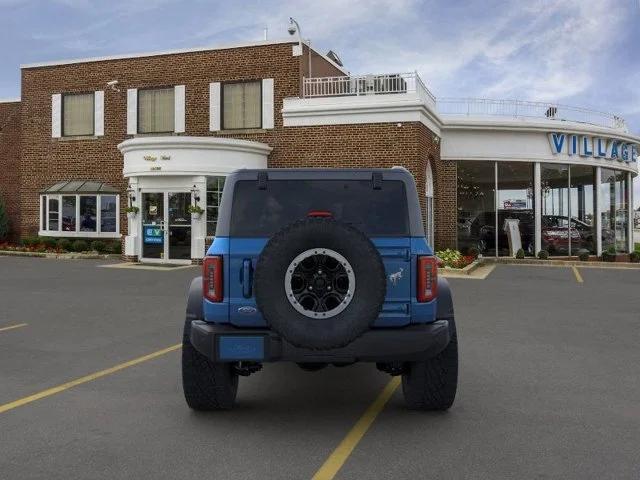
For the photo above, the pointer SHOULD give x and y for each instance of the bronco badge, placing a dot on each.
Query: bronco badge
(395, 277)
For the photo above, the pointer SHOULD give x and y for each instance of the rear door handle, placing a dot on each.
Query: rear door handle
(246, 278)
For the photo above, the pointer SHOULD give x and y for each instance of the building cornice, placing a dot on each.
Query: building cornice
(455, 122)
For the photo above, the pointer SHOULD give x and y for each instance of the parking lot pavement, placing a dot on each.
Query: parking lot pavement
(548, 385)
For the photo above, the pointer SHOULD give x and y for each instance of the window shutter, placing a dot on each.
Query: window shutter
(132, 111)
(56, 115)
(98, 112)
(214, 106)
(179, 98)
(267, 103)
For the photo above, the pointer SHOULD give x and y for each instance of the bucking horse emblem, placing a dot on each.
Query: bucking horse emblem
(395, 277)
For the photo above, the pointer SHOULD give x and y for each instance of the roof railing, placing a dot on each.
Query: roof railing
(357, 85)
(525, 109)
(403, 83)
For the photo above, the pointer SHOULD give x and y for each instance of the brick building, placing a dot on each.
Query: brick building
(157, 133)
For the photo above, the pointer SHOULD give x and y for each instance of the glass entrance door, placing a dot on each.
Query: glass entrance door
(179, 226)
(166, 226)
(153, 222)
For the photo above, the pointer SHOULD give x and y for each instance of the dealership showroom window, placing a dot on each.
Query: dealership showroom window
(568, 206)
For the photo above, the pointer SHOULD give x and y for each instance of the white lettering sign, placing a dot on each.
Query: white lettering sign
(592, 146)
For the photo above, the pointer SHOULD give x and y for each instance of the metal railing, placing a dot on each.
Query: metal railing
(393, 83)
(525, 109)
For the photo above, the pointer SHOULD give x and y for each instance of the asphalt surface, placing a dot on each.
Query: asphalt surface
(549, 386)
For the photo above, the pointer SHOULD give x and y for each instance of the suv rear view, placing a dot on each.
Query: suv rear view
(320, 267)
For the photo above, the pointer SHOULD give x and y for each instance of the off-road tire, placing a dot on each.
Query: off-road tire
(207, 385)
(432, 384)
(320, 333)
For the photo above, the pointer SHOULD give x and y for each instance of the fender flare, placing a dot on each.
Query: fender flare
(445, 300)
(194, 300)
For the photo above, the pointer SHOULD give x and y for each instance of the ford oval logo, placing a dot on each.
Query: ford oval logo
(247, 310)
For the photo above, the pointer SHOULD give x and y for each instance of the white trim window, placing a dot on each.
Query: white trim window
(77, 114)
(242, 105)
(80, 215)
(156, 110)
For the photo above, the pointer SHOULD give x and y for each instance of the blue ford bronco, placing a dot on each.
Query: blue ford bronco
(319, 267)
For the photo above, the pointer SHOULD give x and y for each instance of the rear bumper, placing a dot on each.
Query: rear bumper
(223, 343)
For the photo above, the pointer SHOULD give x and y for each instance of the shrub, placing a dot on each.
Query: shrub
(520, 254)
(609, 255)
(116, 248)
(98, 246)
(583, 255)
(4, 220)
(474, 252)
(79, 246)
(543, 254)
(29, 241)
(64, 244)
(48, 242)
(635, 257)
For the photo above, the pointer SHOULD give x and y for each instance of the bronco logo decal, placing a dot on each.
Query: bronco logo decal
(394, 278)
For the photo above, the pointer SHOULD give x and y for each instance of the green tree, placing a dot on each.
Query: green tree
(4, 220)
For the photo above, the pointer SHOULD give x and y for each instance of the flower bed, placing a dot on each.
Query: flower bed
(454, 259)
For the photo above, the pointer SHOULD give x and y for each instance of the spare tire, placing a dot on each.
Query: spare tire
(320, 283)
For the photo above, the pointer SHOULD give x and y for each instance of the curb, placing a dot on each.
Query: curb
(563, 263)
(466, 270)
(60, 256)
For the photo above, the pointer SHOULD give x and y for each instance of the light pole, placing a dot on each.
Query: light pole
(294, 28)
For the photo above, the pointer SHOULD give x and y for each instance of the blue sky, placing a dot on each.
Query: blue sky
(579, 52)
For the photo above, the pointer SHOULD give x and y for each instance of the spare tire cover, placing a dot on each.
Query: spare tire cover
(320, 283)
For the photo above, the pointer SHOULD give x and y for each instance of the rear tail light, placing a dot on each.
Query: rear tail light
(427, 278)
(212, 278)
(320, 213)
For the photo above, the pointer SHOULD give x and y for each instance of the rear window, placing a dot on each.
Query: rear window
(261, 213)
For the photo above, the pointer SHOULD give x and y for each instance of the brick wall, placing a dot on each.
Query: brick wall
(46, 161)
(9, 161)
(445, 191)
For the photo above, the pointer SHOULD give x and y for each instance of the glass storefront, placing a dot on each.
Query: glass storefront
(568, 201)
(614, 210)
(476, 207)
(582, 203)
(515, 205)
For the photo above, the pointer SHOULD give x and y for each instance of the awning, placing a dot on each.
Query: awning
(81, 186)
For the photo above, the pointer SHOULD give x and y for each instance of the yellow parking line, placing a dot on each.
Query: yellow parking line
(11, 327)
(335, 461)
(577, 274)
(65, 386)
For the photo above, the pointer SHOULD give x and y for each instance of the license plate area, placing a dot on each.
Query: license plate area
(233, 348)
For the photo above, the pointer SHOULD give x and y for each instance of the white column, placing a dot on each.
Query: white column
(537, 195)
(132, 240)
(630, 211)
(199, 225)
(598, 215)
